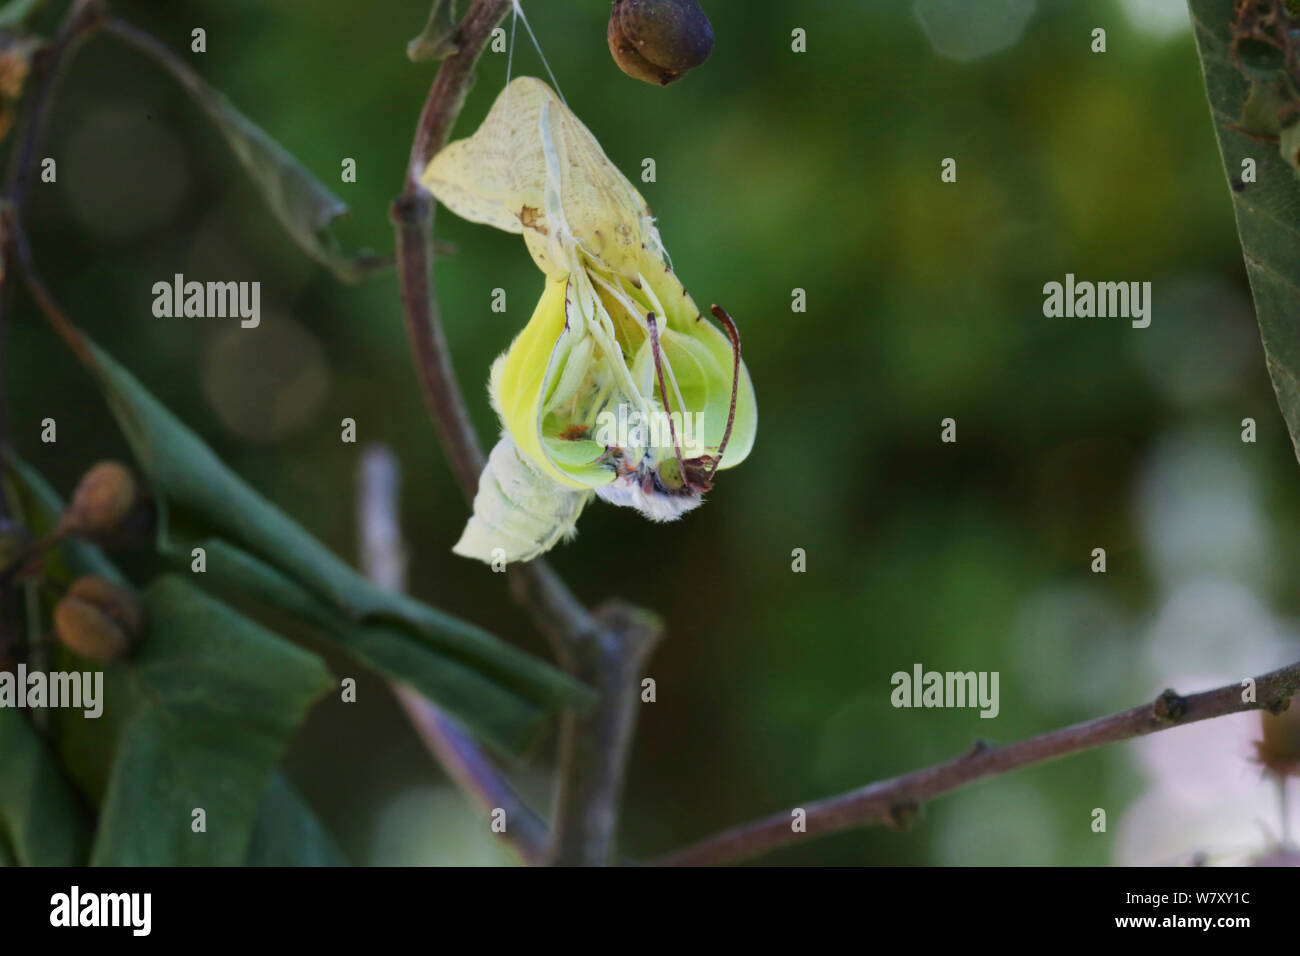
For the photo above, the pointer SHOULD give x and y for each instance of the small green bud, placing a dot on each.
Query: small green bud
(98, 619)
(659, 40)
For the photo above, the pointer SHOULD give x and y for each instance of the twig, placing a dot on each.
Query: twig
(81, 17)
(47, 61)
(413, 224)
(63, 326)
(896, 800)
(412, 214)
(607, 650)
(383, 558)
(594, 745)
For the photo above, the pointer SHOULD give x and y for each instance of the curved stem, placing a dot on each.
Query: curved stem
(383, 556)
(605, 650)
(47, 62)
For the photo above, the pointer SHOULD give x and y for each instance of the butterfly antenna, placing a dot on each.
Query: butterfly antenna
(663, 389)
(733, 333)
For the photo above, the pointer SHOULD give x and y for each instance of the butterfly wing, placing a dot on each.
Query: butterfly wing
(532, 167)
(563, 371)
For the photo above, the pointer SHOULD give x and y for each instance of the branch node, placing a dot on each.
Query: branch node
(904, 814)
(1170, 707)
(1277, 705)
(410, 209)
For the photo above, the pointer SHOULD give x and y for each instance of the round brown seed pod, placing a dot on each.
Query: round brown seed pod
(98, 619)
(658, 40)
(102, 500)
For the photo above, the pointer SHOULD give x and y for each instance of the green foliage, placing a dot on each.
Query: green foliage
(42, 822)
(304, 206)
(16, 13)
(493, 711)
(199, 717)
(393, 632)
(1246, 97)
(218, 699)
(776, 170)
(301, 202)
(288, 833)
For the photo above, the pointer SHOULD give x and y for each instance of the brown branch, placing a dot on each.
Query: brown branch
(412, 215)
(413, 224)
(608, 650)
(82, 17)
(383, 557)
(594, 745)
(47, 63)
(895, 801)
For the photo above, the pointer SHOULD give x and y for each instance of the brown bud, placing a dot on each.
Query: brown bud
(102, 500)
(1279, 751)
(98, 619)
(658, 40)
(15, 64)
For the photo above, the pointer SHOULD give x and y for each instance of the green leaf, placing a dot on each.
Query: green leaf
(495, 714)
(218, 699)
(42, 822)
(498, 715)
(16, 13)
(438, 39)
(303, 204)
(288, 832)
(1267, 211)
(187, 474)
(1260, 42)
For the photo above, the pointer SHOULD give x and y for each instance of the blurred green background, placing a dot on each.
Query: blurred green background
(775, 171)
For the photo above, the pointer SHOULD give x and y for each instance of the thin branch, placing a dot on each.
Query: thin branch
(594, 745)
(606, 651)
(412, 215)
(895, 801)
(63, 326)
(82, 17)
(47, 62)
(383, 556)
(413, 224)
(451, 85)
